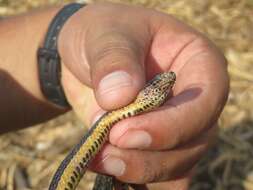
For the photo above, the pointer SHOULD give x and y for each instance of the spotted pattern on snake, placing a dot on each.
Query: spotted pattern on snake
(73, 167)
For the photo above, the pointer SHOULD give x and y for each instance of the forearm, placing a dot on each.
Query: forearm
(21, 100)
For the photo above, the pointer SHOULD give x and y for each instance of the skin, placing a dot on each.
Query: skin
(139, 43)
(142, 43)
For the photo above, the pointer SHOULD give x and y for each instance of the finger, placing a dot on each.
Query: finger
(107, 52)
(180, 183)
(199, 97)
(116, 65)
(135, 166)
(116, 50)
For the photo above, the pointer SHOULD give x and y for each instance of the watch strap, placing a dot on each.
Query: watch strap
(49, 61)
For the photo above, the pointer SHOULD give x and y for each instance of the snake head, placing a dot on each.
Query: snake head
(163, 82)
(157, 90)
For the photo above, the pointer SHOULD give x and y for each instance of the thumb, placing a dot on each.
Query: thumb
(107, 52)
(116, 63)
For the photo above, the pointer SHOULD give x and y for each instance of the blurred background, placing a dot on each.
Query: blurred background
(29, 157)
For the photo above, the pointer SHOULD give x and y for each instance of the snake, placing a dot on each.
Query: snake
(75, 164)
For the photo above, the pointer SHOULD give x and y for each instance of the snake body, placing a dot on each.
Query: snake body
(75, 164)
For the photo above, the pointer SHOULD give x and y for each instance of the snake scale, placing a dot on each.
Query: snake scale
(75, 164)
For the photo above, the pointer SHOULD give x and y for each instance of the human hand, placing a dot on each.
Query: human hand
(114, 49)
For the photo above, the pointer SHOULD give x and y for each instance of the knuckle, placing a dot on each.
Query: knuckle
(152, 173)
(203, 44)
(162, 175)
(112, 48)
(115, 45)
(148, 173)
(199, 43)
(165, 170)
(144, 174)
(155, 175)
(112, 53)
(113, 56)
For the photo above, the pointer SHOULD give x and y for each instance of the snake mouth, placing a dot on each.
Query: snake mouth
(167, 85)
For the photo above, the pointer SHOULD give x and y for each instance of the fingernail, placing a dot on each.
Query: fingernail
(113, 166)
(98, 115)
(114, 81)
(136, 139)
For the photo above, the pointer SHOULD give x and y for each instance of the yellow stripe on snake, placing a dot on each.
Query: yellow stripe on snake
(76, 162)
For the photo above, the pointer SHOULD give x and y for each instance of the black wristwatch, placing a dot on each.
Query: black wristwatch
(49, 61)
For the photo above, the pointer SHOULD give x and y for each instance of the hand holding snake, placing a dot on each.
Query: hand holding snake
(113, 50)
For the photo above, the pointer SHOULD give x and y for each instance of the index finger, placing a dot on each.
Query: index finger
(199, 96)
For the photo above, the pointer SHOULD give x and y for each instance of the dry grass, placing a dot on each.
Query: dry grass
(29, 157)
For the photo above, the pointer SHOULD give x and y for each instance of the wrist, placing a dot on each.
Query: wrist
(49, 60)
(36, 25)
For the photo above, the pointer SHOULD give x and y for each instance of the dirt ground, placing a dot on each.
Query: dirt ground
(29, 157)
